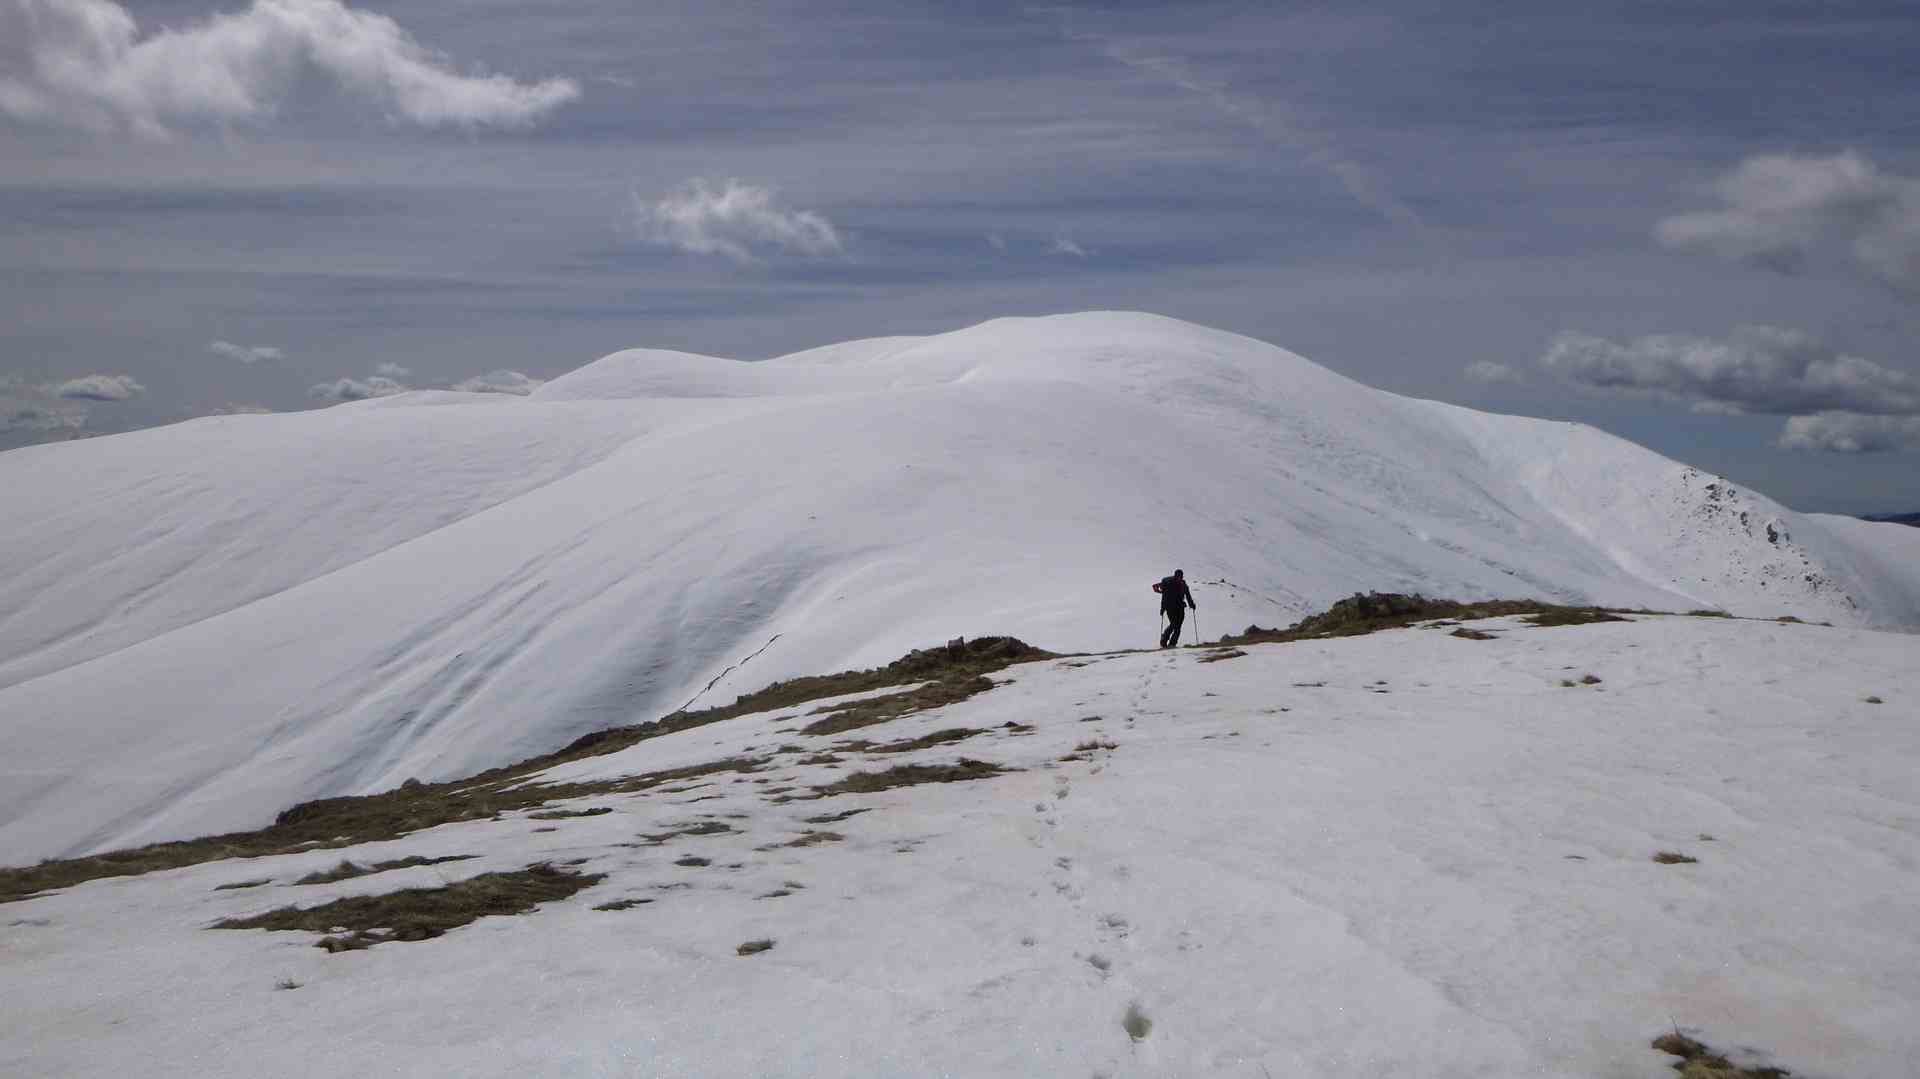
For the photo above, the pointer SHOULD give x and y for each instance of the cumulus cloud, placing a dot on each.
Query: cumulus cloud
(393, 370)
(85, 63)
(99, 388)
(1759, 369)
(1489, 372)
(1780, 210)
(739, 221)
(357, 389)
(500, 382)
(245, 353)
(1850, 432)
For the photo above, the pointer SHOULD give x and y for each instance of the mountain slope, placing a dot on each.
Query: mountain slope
(255, 611)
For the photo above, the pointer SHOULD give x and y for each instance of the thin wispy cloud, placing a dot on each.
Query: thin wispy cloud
(248, 354)
(1781, 210)
(99, 388)
(735, 220)
(87, 64)
(1272, 120)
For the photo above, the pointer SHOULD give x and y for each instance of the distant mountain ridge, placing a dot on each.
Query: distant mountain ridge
(1898, 519)
(203, 623)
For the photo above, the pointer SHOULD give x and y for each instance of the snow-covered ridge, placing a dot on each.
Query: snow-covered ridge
(203, 623)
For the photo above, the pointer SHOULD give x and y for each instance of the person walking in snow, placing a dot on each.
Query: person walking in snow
(1175, 598)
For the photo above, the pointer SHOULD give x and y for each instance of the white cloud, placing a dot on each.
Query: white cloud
(1064, 245)
(1780, 210)
(357, 389)
(1850, 432)
(245, 353)
(1489, 372)
(733, 219)
(500, 382)
(997, 242)
(393, 370)
(1760, 369)
(86, 64)
(99, 388)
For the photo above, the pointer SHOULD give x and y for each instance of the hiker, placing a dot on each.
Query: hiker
(1175, 598)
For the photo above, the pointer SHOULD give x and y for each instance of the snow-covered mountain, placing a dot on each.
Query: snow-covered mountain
(204, 623)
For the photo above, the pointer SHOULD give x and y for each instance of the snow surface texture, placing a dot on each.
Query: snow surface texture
(202, 624)
(1407, 854)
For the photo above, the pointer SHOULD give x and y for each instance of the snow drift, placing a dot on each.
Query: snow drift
(203, 623)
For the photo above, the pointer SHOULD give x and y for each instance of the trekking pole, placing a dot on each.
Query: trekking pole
(1196, 625)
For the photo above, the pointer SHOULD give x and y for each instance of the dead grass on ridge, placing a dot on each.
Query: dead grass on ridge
(421, 913)
(348, 821)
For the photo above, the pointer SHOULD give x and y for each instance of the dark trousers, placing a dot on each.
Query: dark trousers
(1176, 617)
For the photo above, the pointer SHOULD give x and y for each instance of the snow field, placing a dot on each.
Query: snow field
(1406, 853)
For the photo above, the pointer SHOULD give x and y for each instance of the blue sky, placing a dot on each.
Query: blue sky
(1696, 225)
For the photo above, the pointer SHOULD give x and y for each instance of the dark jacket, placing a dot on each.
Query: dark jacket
(1174, 595)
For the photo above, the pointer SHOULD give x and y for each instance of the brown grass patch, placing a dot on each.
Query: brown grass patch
(835, 818)
(623, 904)
(909, 775)
(242, 884)
(928, 741)
(701, 828)
(854, 715)
(753, 947)
(563, 814)
(1673, 857)
(1224, 653)
(1699, 1062)
(1374, 611)
(810, 839)
(1466, 634)
(349, 870)
(421, 913)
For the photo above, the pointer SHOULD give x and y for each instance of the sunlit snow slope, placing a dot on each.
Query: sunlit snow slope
(204, 623)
